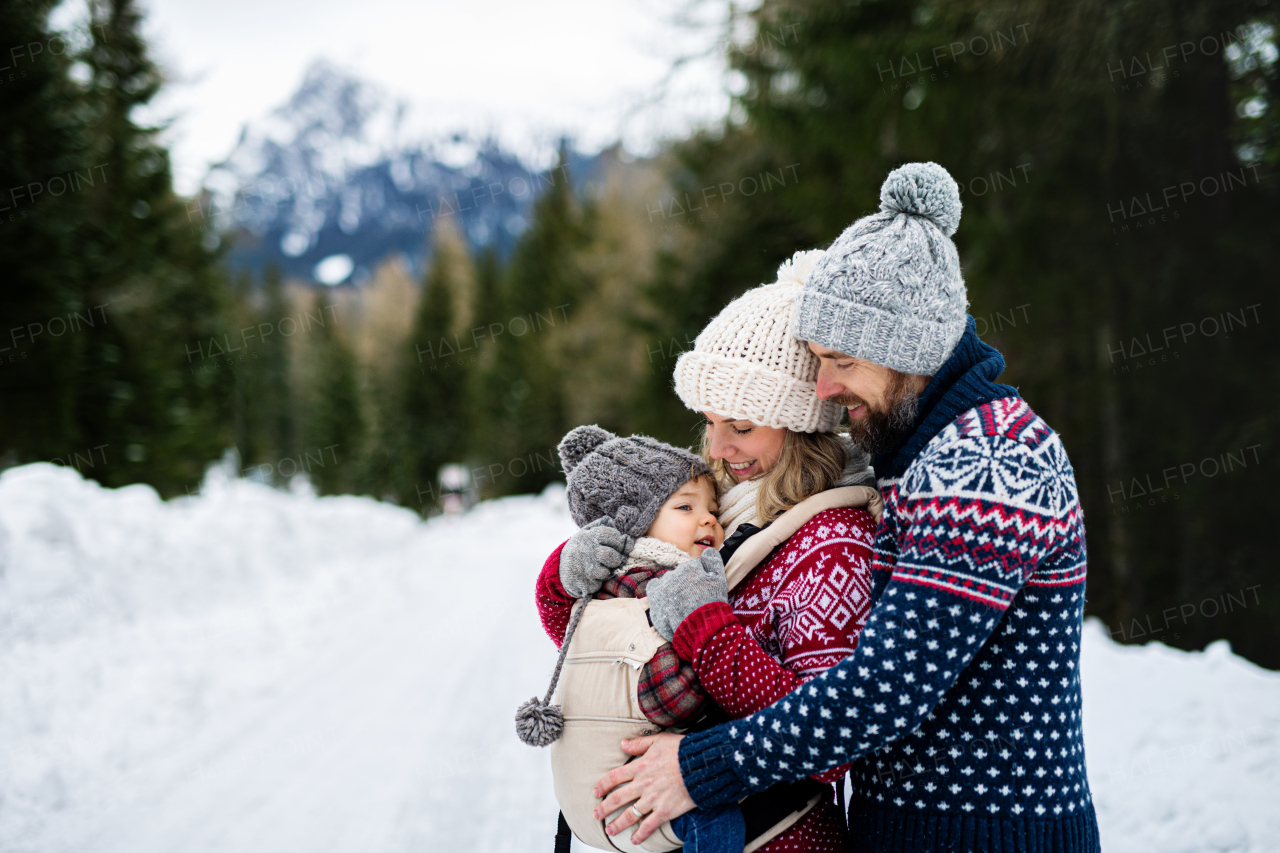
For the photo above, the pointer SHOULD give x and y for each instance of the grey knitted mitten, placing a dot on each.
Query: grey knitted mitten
(683, 590)
(591, 555)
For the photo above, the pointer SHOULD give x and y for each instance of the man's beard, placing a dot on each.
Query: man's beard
(881, 428)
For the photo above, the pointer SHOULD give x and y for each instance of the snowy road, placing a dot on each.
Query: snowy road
(364, 704)
(259, 672)
(368, 745)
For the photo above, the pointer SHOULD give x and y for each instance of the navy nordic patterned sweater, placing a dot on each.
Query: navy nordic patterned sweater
(961, 706)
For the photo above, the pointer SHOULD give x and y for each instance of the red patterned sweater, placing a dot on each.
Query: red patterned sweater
(793, 617)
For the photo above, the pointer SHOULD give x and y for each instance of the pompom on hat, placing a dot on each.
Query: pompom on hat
(889, 289)
(746, 365)
(923, 189)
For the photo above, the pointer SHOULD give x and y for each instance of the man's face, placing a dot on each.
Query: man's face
(881, 401)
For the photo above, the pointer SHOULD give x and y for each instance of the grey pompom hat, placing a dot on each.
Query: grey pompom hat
(627, 479)
(889, 289)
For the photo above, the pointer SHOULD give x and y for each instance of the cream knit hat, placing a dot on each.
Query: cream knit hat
(746, 364)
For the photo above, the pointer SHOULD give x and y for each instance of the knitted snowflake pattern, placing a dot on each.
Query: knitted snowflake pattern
(963, 696)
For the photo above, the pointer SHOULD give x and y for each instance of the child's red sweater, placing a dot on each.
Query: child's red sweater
(797, 614)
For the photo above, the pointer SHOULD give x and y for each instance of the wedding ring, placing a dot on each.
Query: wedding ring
(635, 811)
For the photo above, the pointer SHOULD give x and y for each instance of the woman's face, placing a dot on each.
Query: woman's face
(748, 449)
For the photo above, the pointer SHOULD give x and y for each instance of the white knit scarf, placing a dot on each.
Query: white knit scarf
(652, 552)
(739, 504)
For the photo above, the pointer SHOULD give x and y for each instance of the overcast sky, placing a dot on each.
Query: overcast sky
(525, 71)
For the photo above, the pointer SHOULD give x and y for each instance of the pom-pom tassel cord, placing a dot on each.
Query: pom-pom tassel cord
(538, 722)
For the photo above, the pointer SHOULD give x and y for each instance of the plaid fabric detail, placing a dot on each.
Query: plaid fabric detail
(630, 585)
(669, 692)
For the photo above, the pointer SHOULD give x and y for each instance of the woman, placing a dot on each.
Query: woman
(772, 444)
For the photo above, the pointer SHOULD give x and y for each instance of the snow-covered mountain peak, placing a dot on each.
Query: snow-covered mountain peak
(338, 169)
(333, 123)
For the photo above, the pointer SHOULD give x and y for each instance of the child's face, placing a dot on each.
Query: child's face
(688, 519)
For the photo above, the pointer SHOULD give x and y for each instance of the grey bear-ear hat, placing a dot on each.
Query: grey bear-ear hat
(625, 478)
(889, 289)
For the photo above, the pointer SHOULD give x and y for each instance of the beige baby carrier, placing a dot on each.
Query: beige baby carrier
(598, 684)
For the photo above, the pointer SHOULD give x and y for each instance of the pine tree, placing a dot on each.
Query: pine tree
(262, 402)
(438, 369)
(333, 428)
(156, 377)
(487, 384)
(277, 404)
(42, 160)
(487, 306)
(524, 382)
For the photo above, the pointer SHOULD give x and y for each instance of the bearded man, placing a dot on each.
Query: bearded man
(960, 709)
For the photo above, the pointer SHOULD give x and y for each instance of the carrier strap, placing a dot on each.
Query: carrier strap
(844, 811)
(564, 836)
(744, 532)
(764, 810)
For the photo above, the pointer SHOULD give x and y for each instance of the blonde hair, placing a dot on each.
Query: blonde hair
(810, 462)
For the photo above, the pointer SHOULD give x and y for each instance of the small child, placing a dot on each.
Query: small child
(664, 500)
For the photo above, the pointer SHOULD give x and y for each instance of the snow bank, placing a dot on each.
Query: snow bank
(1183, 748)
(252, 670)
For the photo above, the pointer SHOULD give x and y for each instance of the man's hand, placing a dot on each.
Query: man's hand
(591, 555)
(654, 778)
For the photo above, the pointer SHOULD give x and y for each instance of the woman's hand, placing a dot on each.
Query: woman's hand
(693, 583)
(654, 777)
(591, 555)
